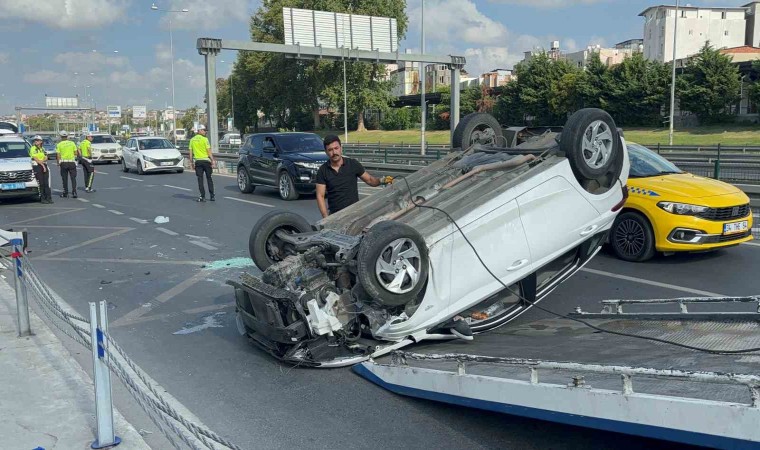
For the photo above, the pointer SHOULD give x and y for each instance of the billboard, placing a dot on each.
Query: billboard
(139, 112)
(338, 30)
(61, 102)
(114, 111)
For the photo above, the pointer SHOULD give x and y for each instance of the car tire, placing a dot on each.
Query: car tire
(124, 167)
(632, 238)
(382, 269)
(591, 142)
(286, 187)
(140, 168)
(180, 170)
(244, 181)
(264, 247)
(477, 128)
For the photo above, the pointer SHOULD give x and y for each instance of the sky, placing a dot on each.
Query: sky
(117, 52)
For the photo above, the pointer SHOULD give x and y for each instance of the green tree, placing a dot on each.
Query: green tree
(753, 91)
(637, 91)
(188, 118)
(709, 85)
(42, 122)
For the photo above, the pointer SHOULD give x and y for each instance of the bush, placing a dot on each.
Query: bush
(397, 119)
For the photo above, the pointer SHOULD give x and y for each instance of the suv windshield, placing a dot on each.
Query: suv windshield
(152, 144)
(300, 143)
(14, 150)
(103, 140)
(646, 163)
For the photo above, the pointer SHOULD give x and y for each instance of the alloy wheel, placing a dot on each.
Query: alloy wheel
(284, 186)
(398, 266)
(242, 180)
(597, 144)
(630, 237)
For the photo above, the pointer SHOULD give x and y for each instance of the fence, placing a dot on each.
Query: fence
(107, 355)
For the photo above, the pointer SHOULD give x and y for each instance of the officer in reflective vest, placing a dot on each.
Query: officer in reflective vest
(202, 161)
(86, 162)
(66, 154)
(41, 171)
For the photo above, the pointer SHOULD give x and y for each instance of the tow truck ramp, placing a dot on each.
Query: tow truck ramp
(614, 383)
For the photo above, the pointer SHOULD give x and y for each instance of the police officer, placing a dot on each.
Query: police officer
(41, 171)
(85, 160)
(202, 161)
(65, 154)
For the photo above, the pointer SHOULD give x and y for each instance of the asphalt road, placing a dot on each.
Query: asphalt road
(172, 312)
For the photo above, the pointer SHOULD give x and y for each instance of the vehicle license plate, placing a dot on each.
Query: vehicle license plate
(12, 186)
(735, 227)
(167, 163)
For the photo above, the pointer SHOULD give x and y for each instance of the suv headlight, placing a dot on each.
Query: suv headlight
(683, 209)
(148, 159)
(308, 165)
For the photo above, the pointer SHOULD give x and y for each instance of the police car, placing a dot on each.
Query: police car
(16, 176)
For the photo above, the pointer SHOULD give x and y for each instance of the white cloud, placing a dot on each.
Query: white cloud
(66, 14)
(484, 59)
(457, 20)
(45, 76)
(85, 62)
(126, 79)
(206, 15)
(4, 57)
(549, 3)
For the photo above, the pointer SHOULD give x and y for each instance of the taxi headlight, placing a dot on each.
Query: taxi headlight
(683, 209)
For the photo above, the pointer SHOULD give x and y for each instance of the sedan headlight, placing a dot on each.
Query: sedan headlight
(683, 209)
(145, 158)
(308, 165)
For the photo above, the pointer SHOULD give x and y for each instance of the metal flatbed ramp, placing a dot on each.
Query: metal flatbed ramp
(612, 383)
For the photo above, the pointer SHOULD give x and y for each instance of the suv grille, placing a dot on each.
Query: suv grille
(19, 176)
(723, 214)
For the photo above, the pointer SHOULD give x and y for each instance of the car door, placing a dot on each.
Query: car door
(556, 218)
(269, 161)
(253, 159)
(128, 155)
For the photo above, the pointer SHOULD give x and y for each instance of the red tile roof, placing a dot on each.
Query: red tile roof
(742, 49)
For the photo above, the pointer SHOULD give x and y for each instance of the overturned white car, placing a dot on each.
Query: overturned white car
(459, 247)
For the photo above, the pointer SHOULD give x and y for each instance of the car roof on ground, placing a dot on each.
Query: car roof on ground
(11, 138)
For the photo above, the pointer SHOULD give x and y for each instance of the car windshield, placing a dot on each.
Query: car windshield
(153, 144)
(646, 163)
(103, 140)
(14, 150)
(300, 143)
(47, 141)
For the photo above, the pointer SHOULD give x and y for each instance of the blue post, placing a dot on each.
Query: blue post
(102, 376)
(22, 301)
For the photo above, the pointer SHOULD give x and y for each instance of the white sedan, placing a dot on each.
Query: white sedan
(457, 248)
(151, 154)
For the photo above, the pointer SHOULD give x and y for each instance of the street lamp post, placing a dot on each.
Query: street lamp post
(171, 50)
(423, 105)
(673, 76)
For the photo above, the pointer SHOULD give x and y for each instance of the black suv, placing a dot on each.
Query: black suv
(287, 161)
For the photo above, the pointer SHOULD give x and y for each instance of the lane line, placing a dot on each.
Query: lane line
(249, 201)
(126, 261)
(135, 219)
(97, 205)
(46, 216)
(78, 227)
(118, 213)
(176, 187)
(83, 200)
(169, 232)
(203, 245)
(164, 316)
(130, 178)
(652, 283)
(102, 173)
(161, 298)
(88, 242)
(753, 244)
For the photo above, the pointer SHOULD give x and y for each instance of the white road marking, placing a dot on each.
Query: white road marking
(135, 219)
(98, 206)
(203, 245)
(249, 201)
(169, 232)
(83, 200)
(118, 213)
(652, 283)
(753, 244)
(101, 173)
(176, 187)
(130, 178)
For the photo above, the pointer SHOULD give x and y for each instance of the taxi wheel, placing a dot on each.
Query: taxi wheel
(632, 237)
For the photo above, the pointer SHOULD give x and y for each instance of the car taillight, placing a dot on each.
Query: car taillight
(620, 204)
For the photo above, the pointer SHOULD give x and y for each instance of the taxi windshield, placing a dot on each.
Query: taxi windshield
(646, 163)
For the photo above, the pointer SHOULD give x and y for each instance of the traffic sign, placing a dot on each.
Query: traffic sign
(114, 111)
(139, 112)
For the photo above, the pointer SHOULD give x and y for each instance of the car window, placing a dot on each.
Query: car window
(300, 143)
(103, 140)
(258, 143)
(154, 144)
(14, 150)
(646, 163)
(268, 142)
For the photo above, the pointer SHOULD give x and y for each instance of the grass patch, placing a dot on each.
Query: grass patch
(734, 135)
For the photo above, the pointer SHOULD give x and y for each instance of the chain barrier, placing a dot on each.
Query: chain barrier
(170, 422)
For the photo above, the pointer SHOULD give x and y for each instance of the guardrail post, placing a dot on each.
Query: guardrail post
(102, 377)
(658, 148)
(385, 155)
(22, 300)
(717, 165)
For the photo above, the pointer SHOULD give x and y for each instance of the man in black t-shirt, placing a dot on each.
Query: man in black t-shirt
(337, 179)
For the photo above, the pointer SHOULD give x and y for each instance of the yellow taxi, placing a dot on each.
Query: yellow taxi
(669, 210)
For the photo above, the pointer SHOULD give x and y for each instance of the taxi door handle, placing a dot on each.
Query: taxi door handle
(589, 230)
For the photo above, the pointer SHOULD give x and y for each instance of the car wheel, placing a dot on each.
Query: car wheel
(632, 238)
(591, 143)
(286, 186)
(124, 167)
(180, 170)
(264, 246)
(392, 263)
(140, 167)
(244, 181)
(477, 128)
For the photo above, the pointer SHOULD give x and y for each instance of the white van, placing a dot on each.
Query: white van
(179, 133)
(16, 177)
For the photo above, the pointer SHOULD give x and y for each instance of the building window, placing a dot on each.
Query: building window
(683, 14)
(691, 32)
(725, 33)
(723, 15)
